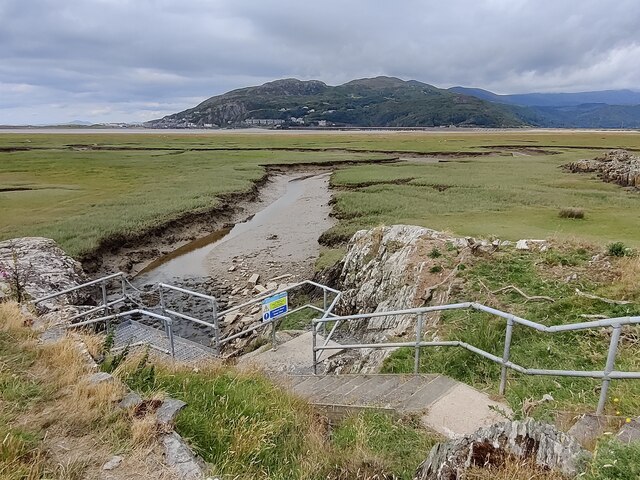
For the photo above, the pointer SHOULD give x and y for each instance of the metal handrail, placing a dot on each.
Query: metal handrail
(607, 374)
(78, 287)
(167, 313)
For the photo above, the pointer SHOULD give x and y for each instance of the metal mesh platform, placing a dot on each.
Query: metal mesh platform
(131, 332)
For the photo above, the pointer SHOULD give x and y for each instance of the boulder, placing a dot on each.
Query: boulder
(616, 166)
(41, 268)
(529, 439)
(394, 268)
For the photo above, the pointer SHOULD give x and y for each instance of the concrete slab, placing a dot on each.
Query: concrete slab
(338, 394)
(429, 394)
(462, 411)
(292, 357)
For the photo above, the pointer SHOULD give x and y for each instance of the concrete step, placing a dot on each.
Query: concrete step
(445, 405)
(290, 358)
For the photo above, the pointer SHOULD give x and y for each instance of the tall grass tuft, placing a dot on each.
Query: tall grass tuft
(577, 213)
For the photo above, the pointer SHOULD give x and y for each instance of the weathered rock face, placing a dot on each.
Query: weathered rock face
(528, 439)
(616, 166)
(394, 268)
(40, 267)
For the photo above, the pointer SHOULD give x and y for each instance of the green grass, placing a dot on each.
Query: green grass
(496, 196)
(80, 198)
(396, 443)
(614, 461)
(246, 427)
(585, 350)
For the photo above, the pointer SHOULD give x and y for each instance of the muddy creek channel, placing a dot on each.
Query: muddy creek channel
(279, 243)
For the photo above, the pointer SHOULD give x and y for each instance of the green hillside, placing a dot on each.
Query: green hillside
(369, 102)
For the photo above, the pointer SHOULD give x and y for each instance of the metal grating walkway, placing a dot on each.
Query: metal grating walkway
(131, 332)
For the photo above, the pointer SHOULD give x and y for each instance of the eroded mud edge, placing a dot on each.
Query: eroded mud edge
(130, 253)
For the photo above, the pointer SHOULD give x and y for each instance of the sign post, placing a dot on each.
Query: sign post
(275, 306)
(272, 308)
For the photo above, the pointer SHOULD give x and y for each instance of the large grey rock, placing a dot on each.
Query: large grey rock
(181, 459)
(43, 268)
(616, 166)
(528, 439)
(394, 268)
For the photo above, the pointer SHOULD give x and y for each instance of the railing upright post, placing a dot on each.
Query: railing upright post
(314, 342)
(324, 308)
(105, 302)
(505, 356)
(611, 359)
(216, 329)
(273, 334)
(169, 324)
(416, 365)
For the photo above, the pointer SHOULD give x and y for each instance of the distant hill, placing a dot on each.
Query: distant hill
(392, 102)
(609, 97)
(604, 109)
(367, 102)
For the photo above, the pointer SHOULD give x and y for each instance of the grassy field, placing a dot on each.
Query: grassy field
(83, 189)
(80, 198)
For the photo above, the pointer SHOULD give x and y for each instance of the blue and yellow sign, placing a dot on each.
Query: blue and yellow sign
(275, 306)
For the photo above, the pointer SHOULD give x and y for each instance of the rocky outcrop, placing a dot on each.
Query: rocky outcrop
(529, 439)
(38, 267)
(616, 166)
(393, 268)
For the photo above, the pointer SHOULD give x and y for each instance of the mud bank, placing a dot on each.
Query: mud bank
(281, 238)
(132, 253)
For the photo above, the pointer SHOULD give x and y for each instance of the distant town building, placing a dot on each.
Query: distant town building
(263, 121)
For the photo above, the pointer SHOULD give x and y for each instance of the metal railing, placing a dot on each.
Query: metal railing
(105, 306)
(168, 315)
(326, 309)
(607, 374)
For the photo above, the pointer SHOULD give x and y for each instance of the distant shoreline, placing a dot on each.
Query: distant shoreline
(311, 131)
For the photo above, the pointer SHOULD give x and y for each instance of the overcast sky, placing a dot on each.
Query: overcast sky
(135, 60)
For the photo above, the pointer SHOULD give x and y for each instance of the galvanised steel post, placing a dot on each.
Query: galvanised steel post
(314, 327)
(324, 325)
(216, 328)
(105, 302)
(163, 310)
(416, 365)
(273, 334)
(611, 359)
(169, 324)
(505, 355)
(124, 286)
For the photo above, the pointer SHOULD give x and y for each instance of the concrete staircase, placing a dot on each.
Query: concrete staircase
(442, 404)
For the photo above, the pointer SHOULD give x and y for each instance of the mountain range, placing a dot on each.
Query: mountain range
(392, 102)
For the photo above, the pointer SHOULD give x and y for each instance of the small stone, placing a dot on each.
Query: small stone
(253, 280)
(100, 377)
(630, 432)
(272, 286)
(168, 410)
(232, 268)
(132, 399)
(522, 245)
(259, 289)
(113, 463)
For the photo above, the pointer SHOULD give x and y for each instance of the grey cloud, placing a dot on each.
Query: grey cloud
(119, 60)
